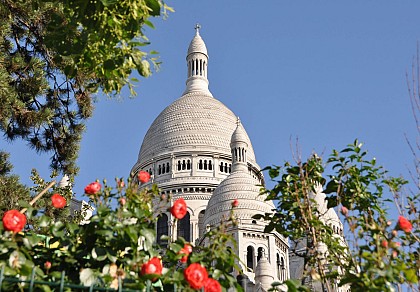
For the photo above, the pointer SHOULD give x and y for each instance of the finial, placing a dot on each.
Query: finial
(197, 28)
(238, 121)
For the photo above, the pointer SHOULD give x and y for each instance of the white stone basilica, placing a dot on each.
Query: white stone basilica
(198, 149)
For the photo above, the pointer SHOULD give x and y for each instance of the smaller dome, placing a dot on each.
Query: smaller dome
(197, 45)
(239, 186)
(263, 273)
(239, 135)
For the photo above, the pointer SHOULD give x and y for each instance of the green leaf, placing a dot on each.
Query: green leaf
(154, 6)
(149, 236)
(44, 221)
(108, 2)
(99, 253)
(411, 275)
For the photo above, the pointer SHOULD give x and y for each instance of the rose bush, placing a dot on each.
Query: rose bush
(115, 248)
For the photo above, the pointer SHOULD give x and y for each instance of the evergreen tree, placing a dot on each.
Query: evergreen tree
(11, 190)
(55, 55)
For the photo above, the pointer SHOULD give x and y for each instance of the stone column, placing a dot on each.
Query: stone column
(194, 164)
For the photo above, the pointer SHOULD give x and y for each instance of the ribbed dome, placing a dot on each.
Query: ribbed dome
(197, 45)
(239, 135)
(196, 122)
(239, 186)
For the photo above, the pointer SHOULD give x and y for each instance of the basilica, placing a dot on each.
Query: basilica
(198, 149)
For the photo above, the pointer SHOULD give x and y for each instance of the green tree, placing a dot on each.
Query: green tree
(378, 252)
(55, 55)
(11, 190)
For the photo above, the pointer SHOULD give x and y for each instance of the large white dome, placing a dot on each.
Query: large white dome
(195, 121)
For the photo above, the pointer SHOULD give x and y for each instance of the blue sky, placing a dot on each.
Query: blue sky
(325, 72)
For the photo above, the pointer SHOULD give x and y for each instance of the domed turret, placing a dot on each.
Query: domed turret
(240, 185)
(264, 274)
(197, 61)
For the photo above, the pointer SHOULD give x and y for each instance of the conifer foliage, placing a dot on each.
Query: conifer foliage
(55, 55)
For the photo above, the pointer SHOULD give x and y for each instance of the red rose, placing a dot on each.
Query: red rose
(186, 250)
(143, 176)
(235, 203)
(404, 224)
(344, 211)
(184, 259)
(93, 188)
(58, 201)
(14, 221)
(47, 265)
(120, 184)
(212, 285)
(196, 275)
(384, 243)
(122, 201)
(179, 209)
(152, 267)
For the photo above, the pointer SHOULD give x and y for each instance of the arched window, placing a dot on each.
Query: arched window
(250, 257)
(167, 167)
(210, 166)
(183, 229)
(188, 164)
(226, 169)
(184, 166)
(205, 164)
(179, 164)
(260, 254)
(160, 170)
(196, 66)
(283, 268)
(201, 67)
(162, 229)
(163, 168)
(201, 227)
(278, 265)
(221, 166)
(230, 168)
(200, 164)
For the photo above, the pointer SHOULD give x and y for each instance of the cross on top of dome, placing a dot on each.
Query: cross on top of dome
(197, 28)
